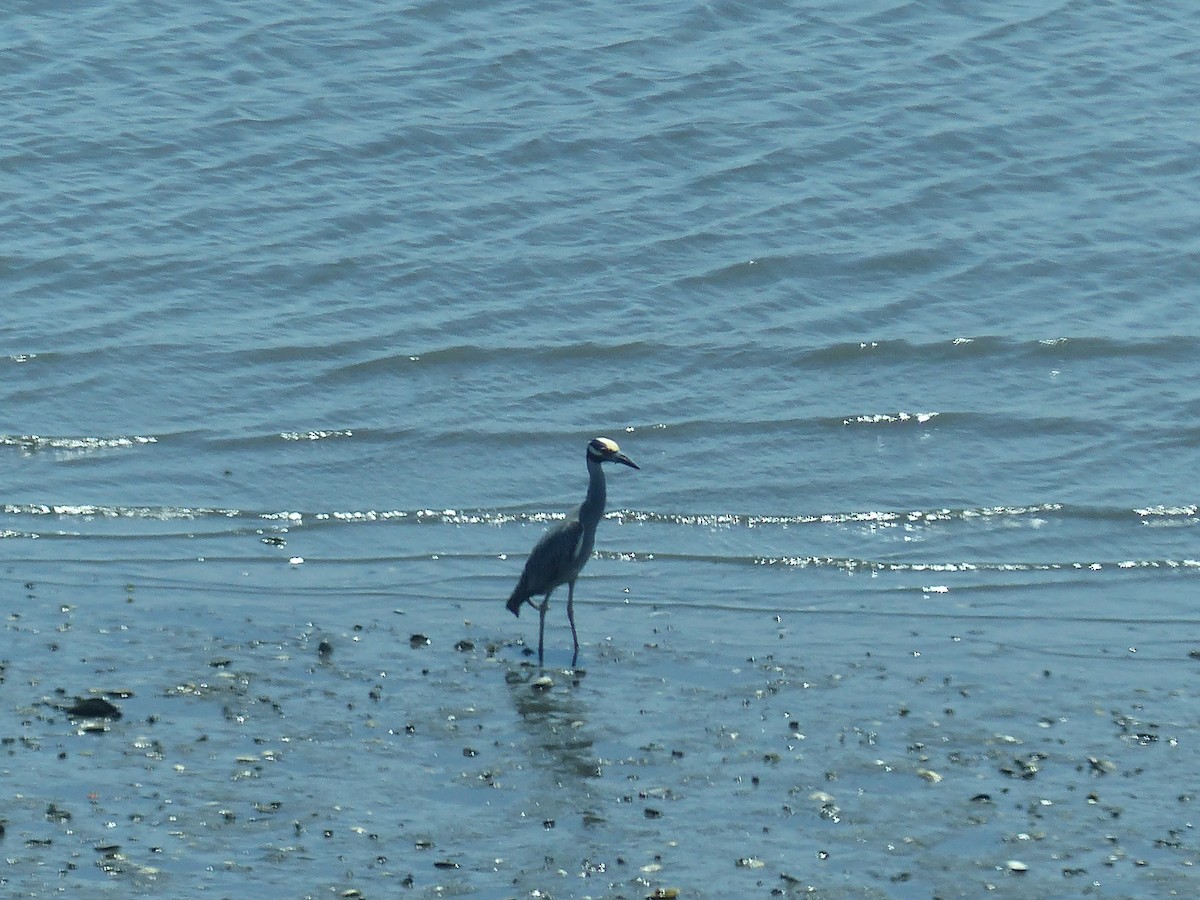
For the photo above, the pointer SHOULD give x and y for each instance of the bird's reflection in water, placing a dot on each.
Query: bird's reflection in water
(557, 723)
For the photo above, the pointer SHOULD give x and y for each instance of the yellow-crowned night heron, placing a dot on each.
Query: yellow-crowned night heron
(563, 550)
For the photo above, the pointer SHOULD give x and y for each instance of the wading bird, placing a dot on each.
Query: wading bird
(564, 550)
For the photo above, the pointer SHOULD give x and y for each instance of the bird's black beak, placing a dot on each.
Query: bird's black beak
(622, 458)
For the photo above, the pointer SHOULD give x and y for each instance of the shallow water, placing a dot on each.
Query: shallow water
(710, 750)
(307, 314)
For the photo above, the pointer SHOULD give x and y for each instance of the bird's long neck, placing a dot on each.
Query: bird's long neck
(592, 507)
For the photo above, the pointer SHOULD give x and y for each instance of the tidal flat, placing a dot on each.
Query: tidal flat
(311, 749)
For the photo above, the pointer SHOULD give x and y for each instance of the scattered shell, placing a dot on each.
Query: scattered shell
(750, 862)
(929, 775)
(1025, 768)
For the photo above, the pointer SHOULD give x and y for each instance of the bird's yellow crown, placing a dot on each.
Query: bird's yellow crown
(605, 445)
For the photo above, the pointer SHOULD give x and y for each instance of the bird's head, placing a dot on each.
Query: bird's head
(605, 450)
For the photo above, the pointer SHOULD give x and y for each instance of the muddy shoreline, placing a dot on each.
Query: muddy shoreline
(799, 755)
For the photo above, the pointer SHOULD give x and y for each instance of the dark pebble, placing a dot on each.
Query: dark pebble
(57, 814)
(93, 708)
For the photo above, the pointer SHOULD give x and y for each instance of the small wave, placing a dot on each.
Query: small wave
(30, 444)
(865, 516)
(857, 565)
(853, 565)
(1168, 511)
(88, 510)
(891, 418)
(980, 347)
(1033, 514)
(315, 435)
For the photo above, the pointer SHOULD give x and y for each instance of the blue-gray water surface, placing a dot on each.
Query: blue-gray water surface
(315, 306)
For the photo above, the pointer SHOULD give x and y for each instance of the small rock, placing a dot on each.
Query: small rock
(93, 708)
(750, 862)
(56, 813)
(1015, 865)
(418, 640)
(544, 683)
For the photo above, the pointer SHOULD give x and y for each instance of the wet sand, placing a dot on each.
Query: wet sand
(299, 749)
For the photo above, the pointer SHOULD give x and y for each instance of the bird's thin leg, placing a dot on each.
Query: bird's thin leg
(545, 605)
(571, 619)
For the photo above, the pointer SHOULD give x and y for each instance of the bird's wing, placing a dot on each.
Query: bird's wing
(552, 560)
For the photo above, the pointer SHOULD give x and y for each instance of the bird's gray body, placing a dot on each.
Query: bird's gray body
(557, 559)
(563, 551)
